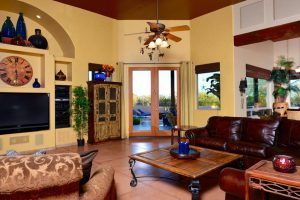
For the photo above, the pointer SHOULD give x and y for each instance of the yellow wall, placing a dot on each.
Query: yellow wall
(92, 35)
(212, 41)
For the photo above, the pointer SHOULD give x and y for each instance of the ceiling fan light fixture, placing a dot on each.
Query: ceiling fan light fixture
(158, 41)
(152, 45)
(164, 44)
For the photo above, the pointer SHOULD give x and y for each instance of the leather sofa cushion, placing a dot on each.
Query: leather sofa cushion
(212, 142)
(248, 148)
(289, 134)
(224, 127)
(260, 131)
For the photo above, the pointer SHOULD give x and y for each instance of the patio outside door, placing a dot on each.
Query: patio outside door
(153, 100)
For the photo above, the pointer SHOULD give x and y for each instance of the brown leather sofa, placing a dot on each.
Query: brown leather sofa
(52, 176)
(255, 139)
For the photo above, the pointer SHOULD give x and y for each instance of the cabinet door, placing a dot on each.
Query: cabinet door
(101, 109)
(113, 104)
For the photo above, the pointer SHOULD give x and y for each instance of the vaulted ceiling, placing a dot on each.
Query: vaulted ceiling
(146, 9)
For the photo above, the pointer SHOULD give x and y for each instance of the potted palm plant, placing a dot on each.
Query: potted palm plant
(280, 76)
(80, 111)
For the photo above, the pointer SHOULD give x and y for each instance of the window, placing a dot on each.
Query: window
(256, 93)
(208, 86)
(295, 96)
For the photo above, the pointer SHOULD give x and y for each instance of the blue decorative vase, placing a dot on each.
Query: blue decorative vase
(36, 83)
(38, 41)
(21, 27)
(99, 76)
(8, 29)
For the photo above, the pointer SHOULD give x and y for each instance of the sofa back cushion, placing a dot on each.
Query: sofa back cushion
(289, 133)
(224, 127)
(260, 130)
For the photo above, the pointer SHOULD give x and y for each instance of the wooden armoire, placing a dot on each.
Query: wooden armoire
(105, 114)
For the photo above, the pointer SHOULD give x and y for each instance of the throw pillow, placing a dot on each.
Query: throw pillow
(87, 161)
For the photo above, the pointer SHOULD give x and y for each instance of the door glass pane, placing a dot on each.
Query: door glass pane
(141, 99)
(167, 99)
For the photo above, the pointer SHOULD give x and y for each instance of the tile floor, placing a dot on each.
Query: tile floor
(116, 153)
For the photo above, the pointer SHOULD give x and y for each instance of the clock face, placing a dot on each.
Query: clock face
(15, 71)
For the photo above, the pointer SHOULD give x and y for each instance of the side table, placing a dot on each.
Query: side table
(263, 177)
(179, 128)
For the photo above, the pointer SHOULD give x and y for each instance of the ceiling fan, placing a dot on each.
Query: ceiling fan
(160, 34)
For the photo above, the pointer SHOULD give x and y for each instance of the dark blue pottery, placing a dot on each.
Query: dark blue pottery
(21, 27)
(38, 41)
(183, 147)
(36, 83)
(99, 76)
(8, 29)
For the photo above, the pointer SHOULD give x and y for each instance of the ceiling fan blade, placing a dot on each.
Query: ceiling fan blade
(150, 39)
(137, 33)
(172, 37)
(178, 28)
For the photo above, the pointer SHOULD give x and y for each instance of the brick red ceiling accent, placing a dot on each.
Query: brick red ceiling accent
(146, 9)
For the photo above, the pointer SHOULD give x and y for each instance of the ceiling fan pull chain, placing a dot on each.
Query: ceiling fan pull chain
(157, 11)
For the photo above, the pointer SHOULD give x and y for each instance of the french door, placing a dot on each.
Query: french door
(153, 100)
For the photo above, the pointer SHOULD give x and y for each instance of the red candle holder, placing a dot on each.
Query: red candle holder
(283, 163)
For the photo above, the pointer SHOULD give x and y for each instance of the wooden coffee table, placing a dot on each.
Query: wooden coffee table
(208, 161)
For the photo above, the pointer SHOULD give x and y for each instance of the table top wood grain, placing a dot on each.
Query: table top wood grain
(208, 161)
(264, 170)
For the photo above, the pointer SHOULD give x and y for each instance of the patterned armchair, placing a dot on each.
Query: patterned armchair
(52, 176)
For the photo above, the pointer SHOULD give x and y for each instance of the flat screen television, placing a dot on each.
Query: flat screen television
(23, 112)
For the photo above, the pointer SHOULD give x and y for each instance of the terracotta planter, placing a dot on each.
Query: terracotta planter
(280, 108)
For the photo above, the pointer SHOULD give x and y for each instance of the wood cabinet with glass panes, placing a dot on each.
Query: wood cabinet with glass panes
(105, 114)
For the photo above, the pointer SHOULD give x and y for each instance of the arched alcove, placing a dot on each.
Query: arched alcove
(58, 32)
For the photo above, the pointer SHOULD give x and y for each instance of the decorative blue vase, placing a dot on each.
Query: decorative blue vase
(21, 27)
(99, 76)
(36, 83)
(8, 29)
(38, 41)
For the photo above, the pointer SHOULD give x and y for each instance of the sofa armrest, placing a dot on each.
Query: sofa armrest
(193, 134)
(100, 184)
(232, 181)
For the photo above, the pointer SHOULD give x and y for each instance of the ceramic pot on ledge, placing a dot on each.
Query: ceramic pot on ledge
(38, 41)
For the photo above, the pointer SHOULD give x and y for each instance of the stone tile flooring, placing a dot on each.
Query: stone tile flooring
(115, 153)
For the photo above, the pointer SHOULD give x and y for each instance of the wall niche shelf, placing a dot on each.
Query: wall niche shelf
(65, 65)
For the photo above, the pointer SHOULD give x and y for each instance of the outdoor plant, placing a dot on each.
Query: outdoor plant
(80, 111)
(136, 121)
(214, 85)
(280, 76)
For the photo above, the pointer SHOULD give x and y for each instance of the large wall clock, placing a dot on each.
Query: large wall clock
(15, 71)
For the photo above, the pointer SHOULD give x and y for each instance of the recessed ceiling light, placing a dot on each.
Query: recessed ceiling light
(38, 16)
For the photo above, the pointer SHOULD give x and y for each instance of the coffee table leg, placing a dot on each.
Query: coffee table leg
(194, 188)
(133, 182)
